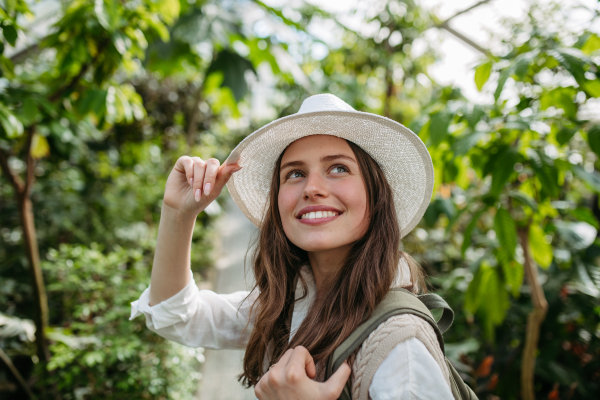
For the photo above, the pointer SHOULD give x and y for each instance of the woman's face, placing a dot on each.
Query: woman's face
(322, 196)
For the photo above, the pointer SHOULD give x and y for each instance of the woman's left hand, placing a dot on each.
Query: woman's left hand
(292, 378)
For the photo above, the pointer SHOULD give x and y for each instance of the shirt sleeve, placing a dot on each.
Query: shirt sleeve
(199, 318)
(409, 372)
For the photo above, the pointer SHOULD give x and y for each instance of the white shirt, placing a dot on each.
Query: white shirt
(203, 318)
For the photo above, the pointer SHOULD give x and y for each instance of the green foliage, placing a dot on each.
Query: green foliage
(97, 349)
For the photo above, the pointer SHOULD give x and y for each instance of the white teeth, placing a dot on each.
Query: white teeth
(318, 214)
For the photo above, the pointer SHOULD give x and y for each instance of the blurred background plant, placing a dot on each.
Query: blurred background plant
(98, 102)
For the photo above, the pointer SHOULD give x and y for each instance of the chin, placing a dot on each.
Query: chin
(319, 244)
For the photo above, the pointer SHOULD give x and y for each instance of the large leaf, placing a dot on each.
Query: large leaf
(39, 146)
(546, 172)
(506, 233)
(565, 135)
(513, 275)
(591, 45)
(10, 34)
(10, 123)
(482, 74)
(487, 297)
(519, 67)
(573, 60)
(504, 168)
(438, 129)
(467, 142)
(524, 199)
(541, 251)
(233, 67)
(560, 98)
(594, 139)
(591, 178)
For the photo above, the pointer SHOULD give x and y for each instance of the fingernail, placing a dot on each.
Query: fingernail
(191, 181)
(207, 188)
(237, 169)
(197, 195)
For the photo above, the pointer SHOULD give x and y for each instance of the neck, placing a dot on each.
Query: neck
(325, 264)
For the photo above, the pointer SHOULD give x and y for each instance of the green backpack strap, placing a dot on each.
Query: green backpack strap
(397, 302)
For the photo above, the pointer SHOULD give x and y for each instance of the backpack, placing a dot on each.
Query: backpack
(400, 301)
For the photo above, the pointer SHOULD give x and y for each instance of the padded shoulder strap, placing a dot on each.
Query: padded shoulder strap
(398, 301)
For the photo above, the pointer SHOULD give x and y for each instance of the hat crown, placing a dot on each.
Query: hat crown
(324, 102)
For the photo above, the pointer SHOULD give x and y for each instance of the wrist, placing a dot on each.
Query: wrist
(177, 215)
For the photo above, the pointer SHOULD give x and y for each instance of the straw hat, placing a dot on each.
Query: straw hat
(400, 153)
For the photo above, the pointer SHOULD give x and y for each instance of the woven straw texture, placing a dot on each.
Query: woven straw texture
(400, 153)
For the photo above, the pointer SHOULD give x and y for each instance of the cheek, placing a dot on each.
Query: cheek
(287, 200)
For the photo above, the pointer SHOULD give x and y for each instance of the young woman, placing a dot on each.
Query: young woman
(333, 191)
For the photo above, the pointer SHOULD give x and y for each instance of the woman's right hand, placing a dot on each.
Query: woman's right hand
(194, 183)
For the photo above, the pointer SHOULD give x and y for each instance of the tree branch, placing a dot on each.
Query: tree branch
(16, 373)
(466, 10)
(534, 319)
(446, 26)
(12, 178)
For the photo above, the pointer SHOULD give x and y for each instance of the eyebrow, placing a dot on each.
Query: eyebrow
(323, 159)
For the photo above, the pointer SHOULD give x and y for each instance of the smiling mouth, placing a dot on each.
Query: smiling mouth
(319, 215)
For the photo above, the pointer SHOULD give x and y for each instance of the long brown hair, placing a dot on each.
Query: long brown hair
(361, 283)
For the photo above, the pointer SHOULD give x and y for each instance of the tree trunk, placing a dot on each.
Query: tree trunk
(22, 192)
(37, 277)
(534, 319)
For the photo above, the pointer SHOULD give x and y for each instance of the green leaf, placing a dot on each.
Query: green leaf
(29, 111)
(506, 233)
(561, 97)
(565, 135)
(482, 74)
(504, 168)
(594, 139)
(466, 143)
(545, 172)
(591, 178)
(473, 114)
(11, 124)
(10, 34)
(591, 45)
(168, 9)
(541, 251)
(573, 60)
(487, 297)
(592, 87)
(469, 231)
(39, 146)
(524, 199)
(513, 275)
(107, 12)
(504, 75)
(438, 129)
(585, 215)
(233, 67)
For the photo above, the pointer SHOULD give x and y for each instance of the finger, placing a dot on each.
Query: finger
(210, 175)
(199, 168)
(185, 165)
(225, 172)
(335, 384)
(283, 361)
(302, 359)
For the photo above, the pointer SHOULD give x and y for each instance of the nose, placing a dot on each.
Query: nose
(315, 187)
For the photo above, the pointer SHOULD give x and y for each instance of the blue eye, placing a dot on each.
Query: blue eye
(339, 168)
(294, 174)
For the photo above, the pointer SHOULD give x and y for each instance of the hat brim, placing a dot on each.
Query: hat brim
(401, 154)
